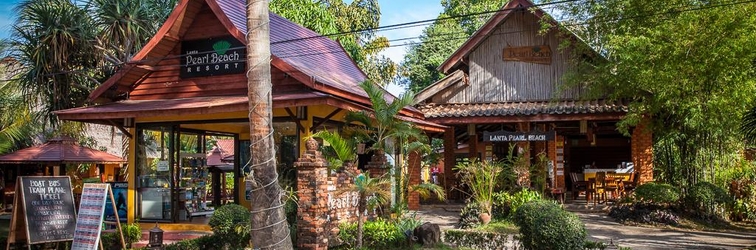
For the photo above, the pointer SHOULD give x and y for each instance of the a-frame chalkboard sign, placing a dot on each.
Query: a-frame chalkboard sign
(43, 210)
(91, 214)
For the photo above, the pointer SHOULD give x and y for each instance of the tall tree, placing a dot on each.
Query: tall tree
(687, 64)
(63, 46)
(351, 24)
(269, 229)
(439, 40)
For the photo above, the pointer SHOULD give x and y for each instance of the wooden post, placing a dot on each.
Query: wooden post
(450, 145)
(269, 229)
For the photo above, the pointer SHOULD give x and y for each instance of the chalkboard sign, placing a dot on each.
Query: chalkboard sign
(48, 208)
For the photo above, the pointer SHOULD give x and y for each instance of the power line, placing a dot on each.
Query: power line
(317, 50)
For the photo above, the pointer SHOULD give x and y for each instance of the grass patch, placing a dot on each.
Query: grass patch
(503, 227)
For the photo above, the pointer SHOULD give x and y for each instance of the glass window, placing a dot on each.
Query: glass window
(153, 161)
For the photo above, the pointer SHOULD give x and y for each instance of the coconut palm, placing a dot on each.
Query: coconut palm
(748, 126)
(369, 191)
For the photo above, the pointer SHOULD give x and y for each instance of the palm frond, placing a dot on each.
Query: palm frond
(426, 189)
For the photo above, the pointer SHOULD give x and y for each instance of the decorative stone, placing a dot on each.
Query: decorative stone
(311, 145)
(428, 234)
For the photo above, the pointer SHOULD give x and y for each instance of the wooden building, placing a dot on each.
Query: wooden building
(504, 85)
(187, 87)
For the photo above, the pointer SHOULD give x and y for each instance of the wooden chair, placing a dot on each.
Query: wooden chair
(579, 184)
(604, 186)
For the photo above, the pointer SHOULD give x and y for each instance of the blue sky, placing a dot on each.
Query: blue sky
(392, 12)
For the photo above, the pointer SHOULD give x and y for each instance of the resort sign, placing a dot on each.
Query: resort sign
(508, 136)
(532, 54)
(214, 56)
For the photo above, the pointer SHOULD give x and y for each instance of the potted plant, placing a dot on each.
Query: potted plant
(480, 177)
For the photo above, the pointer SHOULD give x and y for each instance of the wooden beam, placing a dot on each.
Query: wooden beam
(325, 119)
(530, 118)
(159, 68)
(121, 128)
(295, 120)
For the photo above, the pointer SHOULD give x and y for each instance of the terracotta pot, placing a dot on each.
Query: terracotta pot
(485, 218)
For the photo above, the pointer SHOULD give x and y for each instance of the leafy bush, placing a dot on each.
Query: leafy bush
(744, 206)
(207, 242)
(704, 199)
(132, 233)
(505, 204)
(657, 193)
(377, 234)
(230, 223)
(480, 239)
(469, 217)
(645, 213)
(545, 225)
(405, 224)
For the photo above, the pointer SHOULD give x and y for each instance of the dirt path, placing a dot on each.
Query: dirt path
(603, 228)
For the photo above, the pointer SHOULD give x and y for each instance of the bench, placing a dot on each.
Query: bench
(191, 212)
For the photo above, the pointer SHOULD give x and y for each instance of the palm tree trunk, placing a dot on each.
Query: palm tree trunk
(269, 229)
(360, 223)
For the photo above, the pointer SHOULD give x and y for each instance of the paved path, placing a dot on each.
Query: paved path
(603, 228)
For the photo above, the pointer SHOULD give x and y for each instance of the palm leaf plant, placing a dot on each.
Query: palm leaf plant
(382, 127)
(341, 151)
(370, 192)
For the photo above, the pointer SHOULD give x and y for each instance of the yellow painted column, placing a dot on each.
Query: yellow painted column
(131, 193)
(303, 135)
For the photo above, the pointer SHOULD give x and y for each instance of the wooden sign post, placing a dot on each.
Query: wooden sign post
(91, 212)
(44, 204)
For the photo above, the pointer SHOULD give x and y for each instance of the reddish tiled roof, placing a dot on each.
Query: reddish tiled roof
(315, 55)
(522, 108)
(57, 151)
(145, 108)
(226, 147)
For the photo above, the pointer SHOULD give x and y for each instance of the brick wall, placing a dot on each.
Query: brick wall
(642, 144)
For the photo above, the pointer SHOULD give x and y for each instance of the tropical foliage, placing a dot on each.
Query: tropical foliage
(480, 177)
(370, 191)
(68, 49)
(353, 25)
(686, 65)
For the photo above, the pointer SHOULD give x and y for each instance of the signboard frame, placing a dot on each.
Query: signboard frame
(19, 201)
(212, 56)
(514, 136)
(99, 202)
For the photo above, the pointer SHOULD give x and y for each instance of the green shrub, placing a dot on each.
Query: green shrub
(207, 242)
(743, 191)
(657, 193)
(479, 239)
(704, 199)
(376, 234)
(132, 233)
(230, 223)
(469, 217)
(505, 204)
(545, 225)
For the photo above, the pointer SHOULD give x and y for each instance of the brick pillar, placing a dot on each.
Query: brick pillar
(312, 186)
(450, 145)
(377, 165)
(413, 201)
(642, 150)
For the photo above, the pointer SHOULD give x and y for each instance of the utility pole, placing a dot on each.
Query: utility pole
(269, 229)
